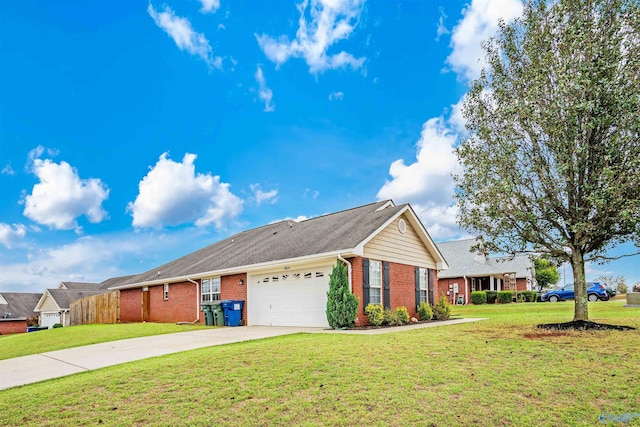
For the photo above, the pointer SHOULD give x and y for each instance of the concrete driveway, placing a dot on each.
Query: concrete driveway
(59, 363)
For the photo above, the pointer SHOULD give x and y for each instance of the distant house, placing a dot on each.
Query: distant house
(472, 271)
(53, 305)
(281, 270)
(15, 309)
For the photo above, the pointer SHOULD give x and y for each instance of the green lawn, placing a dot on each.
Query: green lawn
(500, 372)
(56, 339)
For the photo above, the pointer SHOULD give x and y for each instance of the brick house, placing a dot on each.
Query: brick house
(15, 309)
(473, 271)
(281, 270)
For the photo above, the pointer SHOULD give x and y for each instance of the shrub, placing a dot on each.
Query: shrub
(342, 305)
(442, 309)
(403, 314)
(636, 287)
(505, 297)
(57, 325)
(390, 318)
(478, 297)
(424, 311)
(530, 296)
(491, 296)
(375, 314)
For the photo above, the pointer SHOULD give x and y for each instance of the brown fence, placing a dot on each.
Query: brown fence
(103, 308)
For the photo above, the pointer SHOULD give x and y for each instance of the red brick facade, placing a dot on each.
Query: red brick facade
(402, 287)
(12, 326)
(182, 302)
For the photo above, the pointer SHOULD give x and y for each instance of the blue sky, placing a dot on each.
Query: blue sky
(134, 133)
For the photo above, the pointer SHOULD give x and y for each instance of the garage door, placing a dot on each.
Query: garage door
(50, 319)
(292, 298)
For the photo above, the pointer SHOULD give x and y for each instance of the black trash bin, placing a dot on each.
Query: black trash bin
(217, 313)
(208, 315)
(232, 312)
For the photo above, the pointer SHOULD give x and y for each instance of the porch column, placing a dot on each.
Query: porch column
(492, 283)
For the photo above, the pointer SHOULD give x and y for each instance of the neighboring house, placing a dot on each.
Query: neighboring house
(472, 271)
(15, 309)
(282, 270)
(53, 306)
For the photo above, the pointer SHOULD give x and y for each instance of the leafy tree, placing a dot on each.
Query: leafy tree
(552, 160)
(619, 283)
(546, 272)
(342, 305)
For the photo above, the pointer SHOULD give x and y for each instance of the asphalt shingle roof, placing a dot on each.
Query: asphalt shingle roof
(19, 304)
(64, 297)
(462, 262)
(80, 285)
(282, 240)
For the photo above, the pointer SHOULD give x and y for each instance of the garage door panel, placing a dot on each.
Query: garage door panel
(297, 298)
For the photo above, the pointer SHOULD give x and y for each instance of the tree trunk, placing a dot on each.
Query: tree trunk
(579, 286)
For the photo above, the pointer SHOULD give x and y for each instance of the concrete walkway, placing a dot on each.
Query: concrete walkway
(54, 364)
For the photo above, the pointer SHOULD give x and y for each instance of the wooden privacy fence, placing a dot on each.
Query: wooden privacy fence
(103, 308)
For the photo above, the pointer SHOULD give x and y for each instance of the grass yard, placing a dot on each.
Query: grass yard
(16, 345)
(500, 372)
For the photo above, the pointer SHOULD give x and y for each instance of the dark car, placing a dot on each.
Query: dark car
(595, 292)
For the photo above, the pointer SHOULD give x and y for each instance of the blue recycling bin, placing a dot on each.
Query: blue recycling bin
(232, 312)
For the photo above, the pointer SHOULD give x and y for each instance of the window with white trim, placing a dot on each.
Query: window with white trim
(166, 291)
(375, 282)
(423, 275)
(210, 289)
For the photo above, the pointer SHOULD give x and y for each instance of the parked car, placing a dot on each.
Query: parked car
(595, 292)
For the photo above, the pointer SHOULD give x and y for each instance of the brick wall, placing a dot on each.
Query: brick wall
(230, 288)
(180, 307)
(521, 284)
(13, 327)
(443, 287)
(402, 287)
(130, 305)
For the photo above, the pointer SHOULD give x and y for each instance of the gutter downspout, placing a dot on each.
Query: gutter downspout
(348, 270)
(197, 305)
(466, 290)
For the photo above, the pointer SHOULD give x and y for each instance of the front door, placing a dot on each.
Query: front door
(145, 305)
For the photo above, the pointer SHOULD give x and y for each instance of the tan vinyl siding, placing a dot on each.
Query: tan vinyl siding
(404, 248)
(49, 304)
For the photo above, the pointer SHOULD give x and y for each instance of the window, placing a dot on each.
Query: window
(166, 291)
(375, 282)
(210, 289)
(423, 275)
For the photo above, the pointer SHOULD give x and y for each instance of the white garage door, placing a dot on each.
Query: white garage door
(50, 319)
(292, 298)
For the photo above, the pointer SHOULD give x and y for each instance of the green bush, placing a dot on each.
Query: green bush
(375, 314)
(424, 311)
(491, 296)
(403, 314)
(442, 309)
(505, 297)
(57, 325)
(391, 318)
(342, 305)
(478, 297)
(529, 296)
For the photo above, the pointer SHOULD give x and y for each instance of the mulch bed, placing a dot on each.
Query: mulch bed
(584, 325)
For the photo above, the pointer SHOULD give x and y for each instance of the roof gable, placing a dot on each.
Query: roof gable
(64, 297)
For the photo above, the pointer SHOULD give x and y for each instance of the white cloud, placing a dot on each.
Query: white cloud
(183, 34)
(7, 170)
(61, 197)
(313, 193)
(427, 183)
(330, 21)
(210, 6)
(264, 92)
(263, 196)
(9, 233)
(480, 22)
(336, 96)
(442, 29)
(296, 219)
(172, 194)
